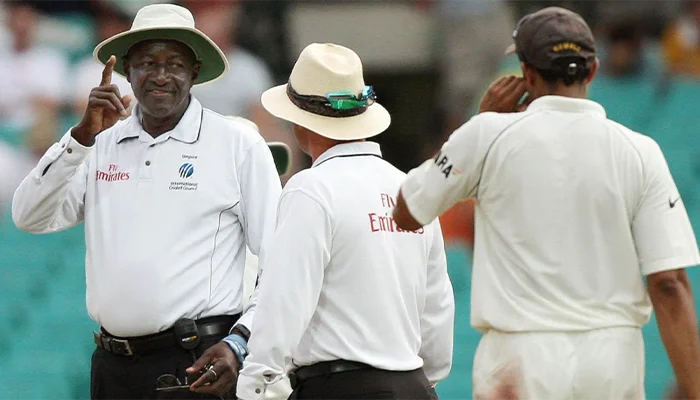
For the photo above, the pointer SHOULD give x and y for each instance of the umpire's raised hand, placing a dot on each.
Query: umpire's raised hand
(105, 107)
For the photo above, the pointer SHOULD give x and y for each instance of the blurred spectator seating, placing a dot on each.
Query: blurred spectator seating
(458, 386)
(31, 80)
(681, 41)
(47, 349)
(472, 36)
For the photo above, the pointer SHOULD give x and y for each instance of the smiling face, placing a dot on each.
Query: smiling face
(161, 73)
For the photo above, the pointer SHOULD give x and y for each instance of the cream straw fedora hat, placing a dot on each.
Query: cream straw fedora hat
(166, 21)
(326, 94)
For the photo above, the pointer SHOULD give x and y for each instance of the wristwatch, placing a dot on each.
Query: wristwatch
(240, 330)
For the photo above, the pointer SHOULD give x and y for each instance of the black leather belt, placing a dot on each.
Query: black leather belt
(323, 368)
(210, 326)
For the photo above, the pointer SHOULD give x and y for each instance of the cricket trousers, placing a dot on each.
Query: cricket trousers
(368, 383)
(135, 377)
(589, 365)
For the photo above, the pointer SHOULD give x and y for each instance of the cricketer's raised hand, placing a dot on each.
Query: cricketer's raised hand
(503, 95)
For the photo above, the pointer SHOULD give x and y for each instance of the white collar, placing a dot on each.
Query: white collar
(351, 149)
(187, 129)
(566, 104)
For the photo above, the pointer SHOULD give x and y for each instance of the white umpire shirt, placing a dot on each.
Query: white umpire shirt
(343, 282)
(167, 220)
(571, 206)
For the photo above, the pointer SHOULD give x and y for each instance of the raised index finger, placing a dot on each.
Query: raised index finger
(107, 72)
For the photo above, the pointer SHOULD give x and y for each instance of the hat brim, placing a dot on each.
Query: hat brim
(282, 156)
(370, 123)
(213, 61)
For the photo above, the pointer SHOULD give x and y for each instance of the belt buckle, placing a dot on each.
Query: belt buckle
(124, 344)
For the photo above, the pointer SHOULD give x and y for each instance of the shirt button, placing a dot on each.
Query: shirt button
(257, 391)
(148, 163)
(69, 150)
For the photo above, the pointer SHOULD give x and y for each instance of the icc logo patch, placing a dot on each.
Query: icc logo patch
(186, 170)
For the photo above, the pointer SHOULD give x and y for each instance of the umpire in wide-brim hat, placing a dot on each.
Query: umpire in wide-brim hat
(166, 22)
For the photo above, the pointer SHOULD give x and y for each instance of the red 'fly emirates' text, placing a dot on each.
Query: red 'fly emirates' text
(112, 174)
(385, 223)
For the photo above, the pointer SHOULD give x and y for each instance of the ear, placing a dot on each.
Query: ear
(594, 70)
(195, 71)
(127, 69)
(528, 74)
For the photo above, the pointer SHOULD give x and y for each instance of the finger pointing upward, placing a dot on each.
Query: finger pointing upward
(107, 72)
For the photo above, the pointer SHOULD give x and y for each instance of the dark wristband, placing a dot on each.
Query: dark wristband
(241, 331)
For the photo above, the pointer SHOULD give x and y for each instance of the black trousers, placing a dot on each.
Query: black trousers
(368, 383)
(134, 377)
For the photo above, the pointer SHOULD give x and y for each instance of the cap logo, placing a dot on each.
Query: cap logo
(564, 46)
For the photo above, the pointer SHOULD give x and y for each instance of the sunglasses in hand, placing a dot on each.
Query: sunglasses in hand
(170, 382)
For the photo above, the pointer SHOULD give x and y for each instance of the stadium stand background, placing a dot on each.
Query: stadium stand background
(45, 333)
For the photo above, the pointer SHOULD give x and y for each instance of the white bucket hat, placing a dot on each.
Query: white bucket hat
(313, 97)
(171, 22)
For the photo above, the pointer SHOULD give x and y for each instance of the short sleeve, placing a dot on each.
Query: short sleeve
(449, 177)
(662, 232)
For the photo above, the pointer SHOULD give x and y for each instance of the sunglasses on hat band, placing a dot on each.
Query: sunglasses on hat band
(346, 100)
(340, 100)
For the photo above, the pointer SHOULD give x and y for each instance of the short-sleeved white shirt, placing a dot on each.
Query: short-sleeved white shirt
(571, 206)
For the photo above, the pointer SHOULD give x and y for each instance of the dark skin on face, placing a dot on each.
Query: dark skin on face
(161, 73)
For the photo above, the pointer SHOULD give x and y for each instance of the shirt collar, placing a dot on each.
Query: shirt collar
(187, 130)
(348, 150)
(566, 104)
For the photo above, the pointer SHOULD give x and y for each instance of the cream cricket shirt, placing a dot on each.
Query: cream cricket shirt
(167, 220)
(343, 282)
(573, 210)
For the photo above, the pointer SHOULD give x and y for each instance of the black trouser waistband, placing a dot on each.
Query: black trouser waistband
(324, 368)
(210, 326)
